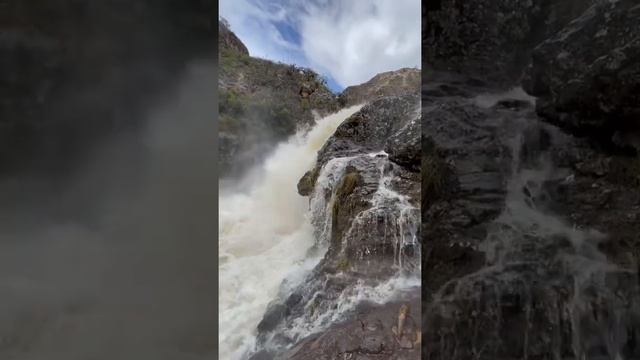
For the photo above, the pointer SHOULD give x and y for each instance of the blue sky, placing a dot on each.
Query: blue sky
(347, 42)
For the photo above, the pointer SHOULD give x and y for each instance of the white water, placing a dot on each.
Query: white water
(401, 221)
(392, 289)
(264, 236)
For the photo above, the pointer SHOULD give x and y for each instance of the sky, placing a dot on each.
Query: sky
(347, 41)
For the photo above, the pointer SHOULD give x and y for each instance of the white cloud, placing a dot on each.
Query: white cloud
(356, 40)
(253, 22)
(350, 40)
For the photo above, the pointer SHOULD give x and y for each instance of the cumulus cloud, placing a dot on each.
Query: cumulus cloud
(254, 22)
(357, 40)
(349, 41)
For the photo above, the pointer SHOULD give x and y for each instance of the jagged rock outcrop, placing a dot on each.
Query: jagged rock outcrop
(365, 214)
(390, 83)
(75, 72)
(261, 103)
(587, 76)
(228, 40)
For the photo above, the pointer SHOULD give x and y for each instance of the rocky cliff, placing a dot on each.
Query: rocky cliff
(261, 103)
(530, 245)
(385, 84)
(587, 75)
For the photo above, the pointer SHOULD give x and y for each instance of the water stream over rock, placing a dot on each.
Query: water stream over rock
(536, 286)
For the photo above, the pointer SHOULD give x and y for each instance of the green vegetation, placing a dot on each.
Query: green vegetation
(343, 265)
(261, 101)
(349, 182)
(230, 103)
(232, 60)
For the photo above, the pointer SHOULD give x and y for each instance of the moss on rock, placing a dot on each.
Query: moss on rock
(343, 265)
(308, 181)
(350, 180)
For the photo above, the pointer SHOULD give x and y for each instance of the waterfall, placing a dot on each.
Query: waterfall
(538, 261)
(265, 234)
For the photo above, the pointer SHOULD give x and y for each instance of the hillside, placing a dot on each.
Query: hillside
(390, 83)
(261, 102)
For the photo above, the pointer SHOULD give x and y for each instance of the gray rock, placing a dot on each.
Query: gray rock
(587, 76)
(493, 40)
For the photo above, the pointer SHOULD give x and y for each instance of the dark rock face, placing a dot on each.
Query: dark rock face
(391, 83)
(490, 41)
(479, 37)
(464, 171)
(530, 247)
(75, 72)
(588, 75)
(517, 264)
(364, 212)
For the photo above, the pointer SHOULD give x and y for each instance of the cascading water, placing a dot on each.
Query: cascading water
(399, 219)
(265, 234)
(367, 229)
(389, 216)
(536, 260)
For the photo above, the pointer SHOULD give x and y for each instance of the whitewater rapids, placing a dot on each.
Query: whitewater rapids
(265, 234)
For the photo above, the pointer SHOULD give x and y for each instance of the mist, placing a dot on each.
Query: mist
(116, 259)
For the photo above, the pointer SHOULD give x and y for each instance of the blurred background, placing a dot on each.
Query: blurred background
(107, 179)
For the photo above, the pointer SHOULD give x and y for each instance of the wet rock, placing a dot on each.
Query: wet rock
(272, 317)
(536, 265)
(371, 129)
(364, 205)
(502, 284)
(404, 147)
(368, 336)
(587, 76)
(262, 355)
